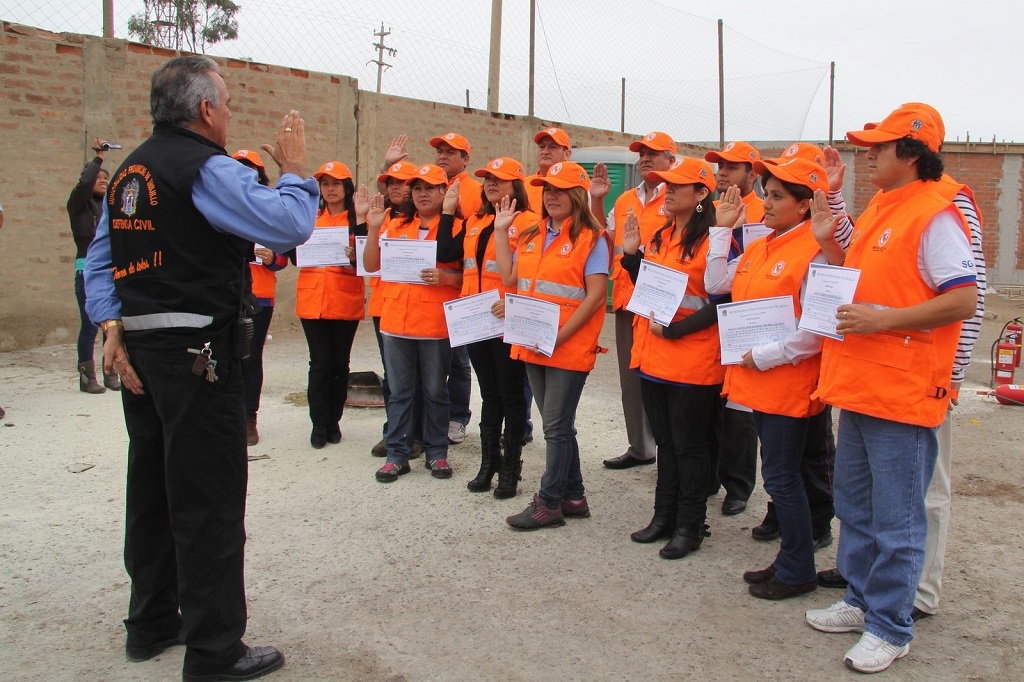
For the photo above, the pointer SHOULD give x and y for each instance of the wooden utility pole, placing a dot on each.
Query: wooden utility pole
(494, 63)
(721, 88)
(108, 18)
(533, 42)
(381, 48)
(831, 102)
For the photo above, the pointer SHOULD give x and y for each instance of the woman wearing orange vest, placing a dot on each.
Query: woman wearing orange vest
(329, 303)
(500, 377)
(562, 259)
(777, 380)
(416, 350)
(264, 285)
(680, 364)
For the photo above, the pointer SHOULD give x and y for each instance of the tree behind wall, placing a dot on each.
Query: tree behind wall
(185, 24)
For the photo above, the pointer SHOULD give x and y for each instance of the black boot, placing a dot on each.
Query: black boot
(509, 474)
(660, 527)
(684, 541)
(87, 378)
(490, 460)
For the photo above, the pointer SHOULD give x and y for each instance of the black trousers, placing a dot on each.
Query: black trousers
(184, 530)
(501, 388)
(330, 347)
(252, 366)
(817, 468)
(735, 455)
(683, 420)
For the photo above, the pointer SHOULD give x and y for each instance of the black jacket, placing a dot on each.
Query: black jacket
(84, 208)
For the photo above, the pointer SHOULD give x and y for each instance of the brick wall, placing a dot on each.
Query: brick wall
(62, 90)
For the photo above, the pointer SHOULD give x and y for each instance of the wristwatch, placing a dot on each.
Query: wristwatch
(106, 325)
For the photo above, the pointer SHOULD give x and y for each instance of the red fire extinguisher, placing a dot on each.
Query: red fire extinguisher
(1003, 366)
(1009, 394)
(1014, 332)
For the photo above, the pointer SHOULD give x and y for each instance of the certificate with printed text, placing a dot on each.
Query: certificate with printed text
(326, 246)
(747, 324)
(754, 231)
(828, 287)
(360, 249)
(658, 289)
(470, 319)
(256, 260)
(403, 260)
(531, 322)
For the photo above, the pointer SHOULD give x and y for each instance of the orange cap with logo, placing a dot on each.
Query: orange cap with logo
(658, 141)
(430, 174)
(927, 108)
(564, 175)
(687, 171)
(913, 120)
(453, 140)
(250, 156)
(737, 152)
(798, 170)
(334, 169)
(402, 170)
(802, 150)
(505, 168)
(557, 135)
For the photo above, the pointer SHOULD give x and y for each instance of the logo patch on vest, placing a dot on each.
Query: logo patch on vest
(130, 198)
(566, 249)
(779, 267)
(529, 247)
(472, 233)
(883, 239)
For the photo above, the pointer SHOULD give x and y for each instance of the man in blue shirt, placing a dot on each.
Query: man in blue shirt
(165, 279)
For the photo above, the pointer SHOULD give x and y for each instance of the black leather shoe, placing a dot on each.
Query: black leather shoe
(318, 437)
(137, 654)
(255, 662)
(823, 541)
(917, 614)
(775, 589)
(626, 461)
(334, 433)
(757, 577)
(657, 529)
(683, 542)
(767, 531)
(832, 578)
(732, 507)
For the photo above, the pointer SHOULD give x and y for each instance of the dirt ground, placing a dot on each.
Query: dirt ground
(421, 580)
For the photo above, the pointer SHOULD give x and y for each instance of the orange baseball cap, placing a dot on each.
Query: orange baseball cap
(737, 152)
(402, 170)
(452, 140)
(557, 135)
(913, 120)
(504, 168)
(250, 156)
(687, 171)
(335, 169)
(564, 175)
(430, 174)
(658, 141)
(798, 170)
(803, 150)
(932, 111)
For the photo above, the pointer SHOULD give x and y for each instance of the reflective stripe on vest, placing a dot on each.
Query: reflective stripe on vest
(491, 266)
(563, 290)
(137, 323)
(469, 263)
(693, 303)
(617, 251)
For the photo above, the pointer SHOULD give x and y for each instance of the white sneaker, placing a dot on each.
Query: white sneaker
(873, 654)
(456, 432)
(840, 617)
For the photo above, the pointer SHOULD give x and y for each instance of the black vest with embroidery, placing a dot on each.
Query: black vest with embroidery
(170, 265)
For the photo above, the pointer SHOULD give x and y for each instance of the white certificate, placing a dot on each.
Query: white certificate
(753, 232)
(256, 260)
(747, 324)
(531, 322)
(326, 246)
(402, 260)
(659, 289)
(828, 287)
(470, 319)
(360, 249)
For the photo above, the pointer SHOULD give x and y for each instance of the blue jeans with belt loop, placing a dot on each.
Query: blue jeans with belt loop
(883, 469)
(557, 392)
(414, 364)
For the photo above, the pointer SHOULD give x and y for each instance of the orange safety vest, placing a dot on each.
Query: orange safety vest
(948, 188)
(556, 274)
(470, 193)
(264, 282)
(776, 266)
(695, 358)
(902, 376)
(535, 194)
(416, 310)
(330, 293)
(474, 279)
(375, 304)
(651, 216)
(755, 207)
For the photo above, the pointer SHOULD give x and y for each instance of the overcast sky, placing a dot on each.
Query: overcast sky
(963, 58)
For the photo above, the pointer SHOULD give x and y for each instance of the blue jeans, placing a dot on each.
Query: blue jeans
(414, 364)
(460, 383)
(557, 392)
(87, 330)
(783, 441)
(882, 473)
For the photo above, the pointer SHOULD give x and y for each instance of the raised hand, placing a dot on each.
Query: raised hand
(630, 233)
(361, 199)
(600, 185)
(835, 169)
(289, 152)
(504, 215)
(451, 198)
(823, 223)
(731, 211)
(396, 150)
(375, 213)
